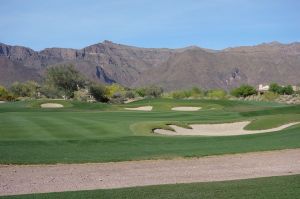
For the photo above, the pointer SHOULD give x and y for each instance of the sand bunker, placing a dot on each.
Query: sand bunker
(226, 129)
(186, 108)
(141, 108)
(51, 105)
(2, 102)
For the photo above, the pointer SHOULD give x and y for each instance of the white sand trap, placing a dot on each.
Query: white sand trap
(2, 102)
(51, 105)
(141, 108)
(186, 108)
(226, 129)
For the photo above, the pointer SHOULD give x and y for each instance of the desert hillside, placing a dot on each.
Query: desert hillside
(171, 68)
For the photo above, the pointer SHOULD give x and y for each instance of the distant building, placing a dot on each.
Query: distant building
(263, 88)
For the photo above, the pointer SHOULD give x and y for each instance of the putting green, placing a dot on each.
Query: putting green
(85, 132)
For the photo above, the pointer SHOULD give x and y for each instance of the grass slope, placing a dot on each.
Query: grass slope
(84, 132)
(271, 187)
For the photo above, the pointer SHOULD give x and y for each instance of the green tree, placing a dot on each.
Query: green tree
(243, 91)
(282, 90)
(65, 78)
(275, 88)
(287, 90)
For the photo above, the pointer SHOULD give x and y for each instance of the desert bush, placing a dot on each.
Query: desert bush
(154, 91)
(270, 96)
(3, 92)
(82, 95)
(117, 98)
(216, 94)
(5, 95)
(189, 93)
(98, 91)
(150, 91)
(243, 91)
(130, 94)
(197, 92)
(113, 89)
(141, 92)
(49, 91)
(26, 89)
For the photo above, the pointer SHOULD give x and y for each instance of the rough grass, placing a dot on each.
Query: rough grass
(286, 187)
(84, 132)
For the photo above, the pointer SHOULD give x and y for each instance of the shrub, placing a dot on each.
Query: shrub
(5, 95)
(150, 91)
(82, 95)
(50, 91)
(129, 94)
(26, 89)
(275, 88)
(270, 96)
(282, 90)
(287, 90)
(217, 94)
(98, 91)
(178, 95)
(117, 98)
(3, 92)
(154, 91)
(112, 89)
(141, 92)
(243, 91)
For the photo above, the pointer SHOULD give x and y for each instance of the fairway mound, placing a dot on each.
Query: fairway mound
(141, 108)
(226, 129)
(51, 105)
(186, 108)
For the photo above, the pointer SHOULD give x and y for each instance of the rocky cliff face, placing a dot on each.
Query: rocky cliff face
(170, 68)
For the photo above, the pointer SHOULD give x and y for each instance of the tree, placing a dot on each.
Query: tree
(3, 92)
(282, 90)
(243, 91)
(287, 90)
(98, 91)
(275, 88)
(65, 78)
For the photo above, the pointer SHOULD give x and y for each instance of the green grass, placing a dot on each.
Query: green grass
(287, 187)
(84, 132)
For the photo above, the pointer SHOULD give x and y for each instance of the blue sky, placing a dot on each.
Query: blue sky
(215, 24)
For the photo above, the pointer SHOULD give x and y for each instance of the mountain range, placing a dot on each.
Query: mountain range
(170, 68)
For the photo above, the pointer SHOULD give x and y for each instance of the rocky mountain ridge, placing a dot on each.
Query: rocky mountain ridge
(170, 68)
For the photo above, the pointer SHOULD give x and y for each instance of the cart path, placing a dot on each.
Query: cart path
(24, 179)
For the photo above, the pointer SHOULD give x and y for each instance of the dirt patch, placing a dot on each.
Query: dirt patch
(141, 108)
(186, 108)
(226, 129)
(51, 105)
(70, 177)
